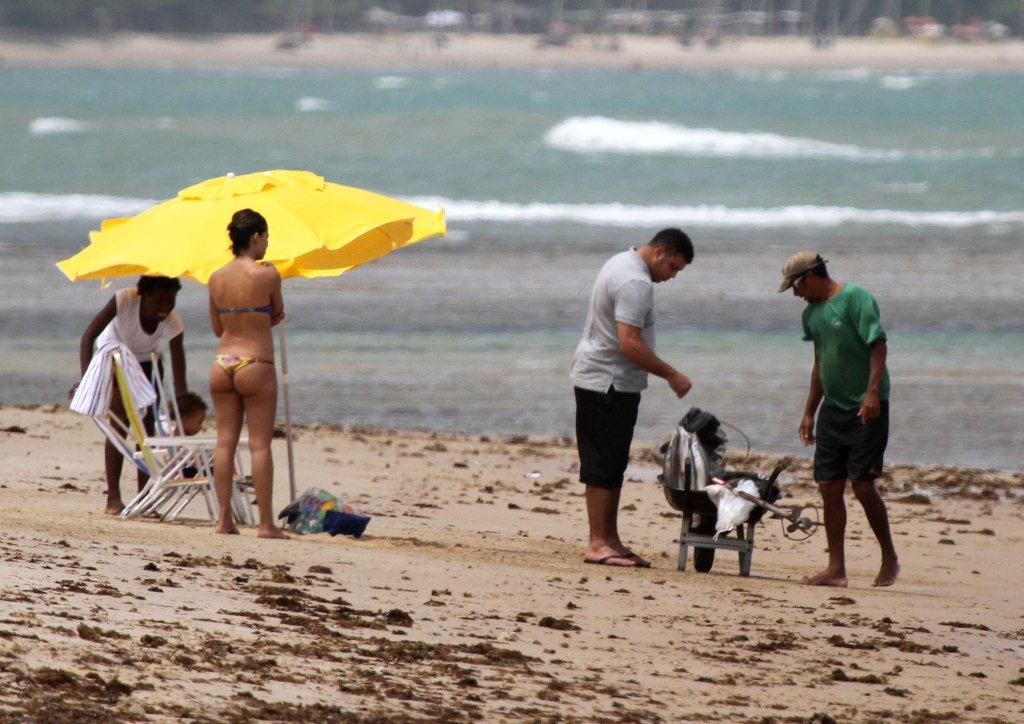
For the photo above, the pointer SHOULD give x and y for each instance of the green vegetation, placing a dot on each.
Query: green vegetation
(247, 16)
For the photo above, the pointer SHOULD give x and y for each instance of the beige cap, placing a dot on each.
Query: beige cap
(797, 265)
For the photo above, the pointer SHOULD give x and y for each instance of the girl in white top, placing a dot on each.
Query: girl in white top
(140, 318)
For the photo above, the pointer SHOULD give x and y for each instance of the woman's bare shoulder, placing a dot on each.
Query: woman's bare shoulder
(268, 270)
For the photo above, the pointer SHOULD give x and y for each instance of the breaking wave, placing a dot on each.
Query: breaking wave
(723, 217)
(899, 82)
(53, 124)
(596, 134)
(308, 104)
(390, 82)
(21, 208)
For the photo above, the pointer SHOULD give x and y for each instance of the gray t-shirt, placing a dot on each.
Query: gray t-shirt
(623, 292)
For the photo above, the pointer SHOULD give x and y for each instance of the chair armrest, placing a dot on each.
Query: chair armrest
(193, 441)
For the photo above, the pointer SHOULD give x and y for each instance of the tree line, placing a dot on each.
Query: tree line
(261, 16)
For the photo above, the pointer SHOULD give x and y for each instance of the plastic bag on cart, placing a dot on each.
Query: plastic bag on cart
(732, 509)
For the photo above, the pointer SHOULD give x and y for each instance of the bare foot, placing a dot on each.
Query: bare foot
(827, 577)
(887, 575)
(226, 530)
(271, 532)
(114, 506)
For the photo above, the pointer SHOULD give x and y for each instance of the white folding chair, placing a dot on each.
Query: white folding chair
(165, 457)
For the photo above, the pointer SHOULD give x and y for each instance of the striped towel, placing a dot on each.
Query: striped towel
(93, 395)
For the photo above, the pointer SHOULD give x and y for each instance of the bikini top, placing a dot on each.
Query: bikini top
(267, 308)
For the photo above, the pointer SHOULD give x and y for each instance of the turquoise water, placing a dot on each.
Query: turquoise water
(910, 183)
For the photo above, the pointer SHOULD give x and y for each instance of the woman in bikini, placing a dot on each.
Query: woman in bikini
(245, 302)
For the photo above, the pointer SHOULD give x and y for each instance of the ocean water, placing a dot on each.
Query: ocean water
(911, 184)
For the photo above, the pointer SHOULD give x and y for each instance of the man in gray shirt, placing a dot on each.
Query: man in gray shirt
(610, 369)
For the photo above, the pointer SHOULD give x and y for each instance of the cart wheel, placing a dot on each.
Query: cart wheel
(704, 558)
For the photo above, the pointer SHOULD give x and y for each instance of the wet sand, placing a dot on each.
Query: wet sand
(467, 599)
(416, 51)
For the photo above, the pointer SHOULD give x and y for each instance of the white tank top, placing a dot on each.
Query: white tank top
(127, 329)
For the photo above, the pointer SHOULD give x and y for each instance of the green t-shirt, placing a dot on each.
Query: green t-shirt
(843, 330)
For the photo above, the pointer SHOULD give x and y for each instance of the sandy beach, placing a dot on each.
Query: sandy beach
(467, 598)
(414, 51)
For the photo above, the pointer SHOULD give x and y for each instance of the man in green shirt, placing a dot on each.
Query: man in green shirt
(849, 373)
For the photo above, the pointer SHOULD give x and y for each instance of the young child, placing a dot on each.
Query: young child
(193, 413)
(141, 318)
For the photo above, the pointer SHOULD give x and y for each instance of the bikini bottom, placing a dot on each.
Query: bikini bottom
(231, 363)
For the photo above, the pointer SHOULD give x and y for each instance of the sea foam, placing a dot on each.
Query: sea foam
(53, 124)
(596, 134)
(899, 82)
(723, 217)
(390, 82)
(23, 208)
(308, 104)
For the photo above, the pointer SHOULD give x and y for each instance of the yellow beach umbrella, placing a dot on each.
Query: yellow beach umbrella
(317, 228)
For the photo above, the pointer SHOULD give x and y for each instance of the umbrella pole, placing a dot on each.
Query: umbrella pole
(287, 412)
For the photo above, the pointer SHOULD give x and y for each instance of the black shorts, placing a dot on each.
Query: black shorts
(147, 369)
(604, 432)
(846, 449)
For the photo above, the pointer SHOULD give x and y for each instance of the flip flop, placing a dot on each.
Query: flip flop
(604, 561)
(640, 562)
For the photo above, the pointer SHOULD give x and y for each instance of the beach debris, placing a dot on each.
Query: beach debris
(840, 675)
(398, 617)
(95, 633)
(558, 624)
(962, 624)
(839, 641)
(778, 641)
(842, 600)
(533, 474)
(913, 499)
(280, 574)
(152, 642)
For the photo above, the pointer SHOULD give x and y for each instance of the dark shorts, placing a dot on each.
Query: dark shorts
(846, 449)
(147, 369)
(604, 432)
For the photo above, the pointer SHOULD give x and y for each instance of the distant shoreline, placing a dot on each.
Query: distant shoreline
(418, 51)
